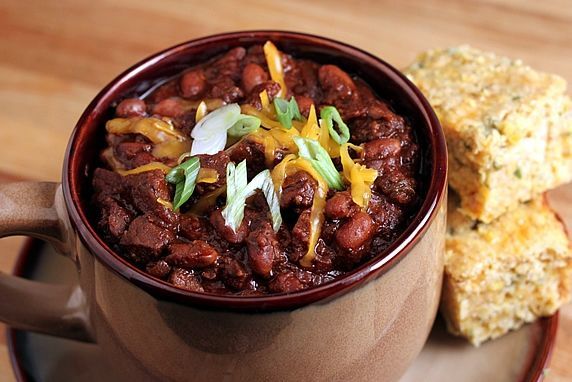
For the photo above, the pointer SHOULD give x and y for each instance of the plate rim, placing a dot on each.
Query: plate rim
(538, 358)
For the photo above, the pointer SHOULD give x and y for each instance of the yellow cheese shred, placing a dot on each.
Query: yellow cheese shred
(202, 110)
(274, 62)
(287, 166)
(146, 167)
(168, 142)
(207, 175)
(359, 176)
(265, 101)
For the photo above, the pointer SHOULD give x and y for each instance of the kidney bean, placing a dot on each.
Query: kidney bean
(193, 84)
(263, 248)
(334, 79)
(355, 232)
(196, 254)
(381, 148)
(253, 75)
(131, 107)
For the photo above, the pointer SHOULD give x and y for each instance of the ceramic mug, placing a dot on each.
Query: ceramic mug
(367, 325)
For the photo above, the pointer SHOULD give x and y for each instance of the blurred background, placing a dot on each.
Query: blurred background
(55, 57)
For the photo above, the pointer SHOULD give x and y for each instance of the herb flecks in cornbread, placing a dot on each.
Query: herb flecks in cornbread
(501, 275)
(508, 127)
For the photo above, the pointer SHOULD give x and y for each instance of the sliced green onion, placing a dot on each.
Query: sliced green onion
(237, 191)
(209, 133)
(263, 181)
(287, 111)
(329, 115)
(184, 176)
(314, 153)
(245, 125)
(236, 182)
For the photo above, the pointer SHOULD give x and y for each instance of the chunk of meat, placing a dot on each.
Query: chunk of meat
(182, 278)
(196, 254)
(341, 206)
(233, 273)
(272, 88)
(386, 214)
(302, 79)
(226, 89)
(355, 232)
(194, 227)
(255, 55)
(253, 75)
(185, 122)
(253, 152)
(285, 282)
(226, 232)
(298, 191)
(301, 236)
(146, 188)
(159, 269)
(263, 248)
(107, 183)
(144, 240)
(193, 84)
(381, 148)
(133, 154)
(227, 66)
(336, 82)
(398, 186)
(217, 162)
(131, 107)
(367, 129)
(113, 219)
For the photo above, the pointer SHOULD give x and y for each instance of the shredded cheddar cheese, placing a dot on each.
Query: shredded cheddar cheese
(202, 110)
(146, 167)
(207, 175)
(168, 142)
(359, 176)
(274, 61)
(288, 166)
(165, 203)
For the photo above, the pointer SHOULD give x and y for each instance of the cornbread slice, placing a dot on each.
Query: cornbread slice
(501, 275)
(508, 127)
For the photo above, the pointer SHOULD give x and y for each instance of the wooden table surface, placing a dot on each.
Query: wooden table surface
(55, 56)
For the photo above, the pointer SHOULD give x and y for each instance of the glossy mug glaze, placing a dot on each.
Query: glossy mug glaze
(368, 325)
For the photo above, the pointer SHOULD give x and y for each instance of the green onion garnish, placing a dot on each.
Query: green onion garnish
(237, 191)
(287, 111)
(329, 115)
(210, 133)
(314, 153)
(184, 176)
(245, 125)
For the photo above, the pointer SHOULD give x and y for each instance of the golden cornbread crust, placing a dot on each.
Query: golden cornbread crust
(501, 275)
(508, 127)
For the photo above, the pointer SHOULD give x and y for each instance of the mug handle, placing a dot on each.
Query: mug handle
(36, 209)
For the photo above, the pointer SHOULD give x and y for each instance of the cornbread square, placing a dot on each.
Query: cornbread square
(501, 275)
(508, 127)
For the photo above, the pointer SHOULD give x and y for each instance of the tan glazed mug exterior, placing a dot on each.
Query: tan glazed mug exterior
(366, 326)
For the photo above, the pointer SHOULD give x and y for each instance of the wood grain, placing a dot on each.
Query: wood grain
(57, 55)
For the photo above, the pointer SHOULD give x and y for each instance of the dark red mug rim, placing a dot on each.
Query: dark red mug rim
(371, 269)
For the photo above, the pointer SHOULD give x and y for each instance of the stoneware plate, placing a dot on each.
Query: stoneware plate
(520, 356)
